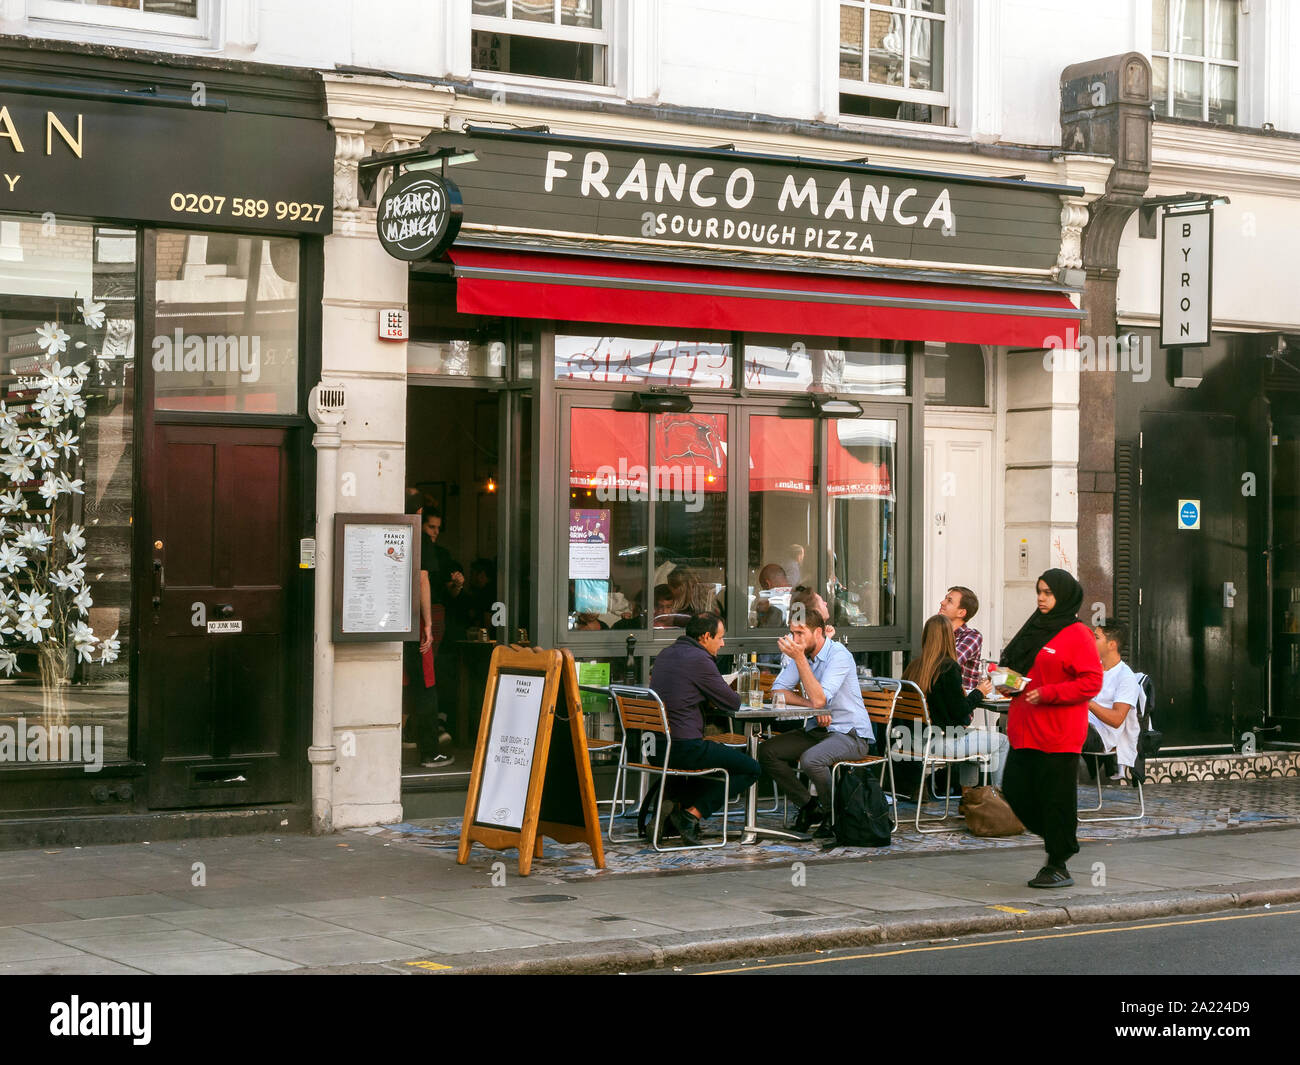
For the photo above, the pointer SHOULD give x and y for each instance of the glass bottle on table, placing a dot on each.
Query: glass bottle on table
(755, 690)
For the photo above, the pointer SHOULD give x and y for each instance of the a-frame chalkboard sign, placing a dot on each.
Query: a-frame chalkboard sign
(531, 779)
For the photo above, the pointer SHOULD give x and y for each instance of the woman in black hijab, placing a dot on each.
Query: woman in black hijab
(1048, 721)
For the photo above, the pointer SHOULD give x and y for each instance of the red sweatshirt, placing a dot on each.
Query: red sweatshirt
(1067, 673)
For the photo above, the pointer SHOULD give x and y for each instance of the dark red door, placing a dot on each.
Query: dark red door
(215, 698)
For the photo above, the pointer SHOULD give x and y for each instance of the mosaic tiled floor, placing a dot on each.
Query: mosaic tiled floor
(1171, 811)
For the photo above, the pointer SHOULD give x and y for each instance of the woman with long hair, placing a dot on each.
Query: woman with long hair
(1048, 721)
(936, 672)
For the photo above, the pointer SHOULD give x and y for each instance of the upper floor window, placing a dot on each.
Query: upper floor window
(567, 40)
(181, 20)
(1195, 59)
(893, 59)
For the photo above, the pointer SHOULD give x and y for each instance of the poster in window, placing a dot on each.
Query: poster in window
(589, 545)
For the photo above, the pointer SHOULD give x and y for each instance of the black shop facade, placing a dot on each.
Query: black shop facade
(160, 274)
(677, 379)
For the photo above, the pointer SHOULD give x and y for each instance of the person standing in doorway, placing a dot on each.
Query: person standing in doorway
(419, 662)
(1048, 721)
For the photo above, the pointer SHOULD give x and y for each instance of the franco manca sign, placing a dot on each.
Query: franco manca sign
(520, 182)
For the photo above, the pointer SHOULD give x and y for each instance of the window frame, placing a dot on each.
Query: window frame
(862, 87)
(1165, 109)
(604, 37)
(69, 16)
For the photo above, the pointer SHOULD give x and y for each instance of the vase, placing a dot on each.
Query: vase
(53, 658)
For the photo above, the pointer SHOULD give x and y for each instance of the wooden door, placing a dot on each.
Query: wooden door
(216, 706)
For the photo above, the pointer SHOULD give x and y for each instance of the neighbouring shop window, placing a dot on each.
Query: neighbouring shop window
(226, 323)
(445, 343)
(955, 375)
(782, 516)
(826, 364)
(893, 60)
(702, 362)
(67, 351)
(1195, 61)
(608, 519)
(566, 40)
(690, 481)
(860, 469)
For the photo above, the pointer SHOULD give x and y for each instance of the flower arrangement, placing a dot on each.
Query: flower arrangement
(45, 599)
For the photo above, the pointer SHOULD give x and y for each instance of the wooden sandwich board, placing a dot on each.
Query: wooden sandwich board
(531, 779)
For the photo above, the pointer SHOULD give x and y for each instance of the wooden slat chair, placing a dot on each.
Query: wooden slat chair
(1148, 699)
(910, 709)
(878, 696)
(641, 710)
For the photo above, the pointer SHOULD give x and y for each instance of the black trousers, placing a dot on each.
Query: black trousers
(1041, 788)
(422, 702)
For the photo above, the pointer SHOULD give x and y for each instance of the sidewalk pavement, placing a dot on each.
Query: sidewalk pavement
(392, 900)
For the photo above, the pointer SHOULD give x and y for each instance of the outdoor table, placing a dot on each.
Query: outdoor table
(752, 719)
(998, 706)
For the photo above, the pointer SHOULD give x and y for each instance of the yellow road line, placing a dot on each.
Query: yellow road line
(1000, 942)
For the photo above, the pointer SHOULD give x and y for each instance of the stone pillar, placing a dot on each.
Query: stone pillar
(361, 279)
(1106, 110)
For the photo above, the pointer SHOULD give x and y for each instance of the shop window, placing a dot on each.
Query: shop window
(609, 509)
(226, 323)
(826, 364)
(67, 350)
(955, 375)
(445, 343)
(1195, 59)
(782, 516)
(893, 60)
(701, 362)
(565, 40)
(861, 465)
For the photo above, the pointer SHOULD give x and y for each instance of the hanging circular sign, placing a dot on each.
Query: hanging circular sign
(419, 216)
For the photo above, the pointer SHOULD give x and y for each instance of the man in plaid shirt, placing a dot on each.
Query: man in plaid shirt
(959, 606)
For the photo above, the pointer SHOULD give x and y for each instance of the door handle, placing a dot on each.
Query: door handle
(225, 610)
(159, 583)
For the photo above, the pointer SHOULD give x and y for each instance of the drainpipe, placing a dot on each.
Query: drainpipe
(325, 405)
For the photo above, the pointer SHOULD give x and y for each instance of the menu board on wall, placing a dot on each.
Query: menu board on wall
(512, 739)
(376, 577)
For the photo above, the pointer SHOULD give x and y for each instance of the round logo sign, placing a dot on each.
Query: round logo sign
(419, 216)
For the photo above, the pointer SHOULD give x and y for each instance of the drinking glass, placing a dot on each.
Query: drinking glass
(778, 700)
(756, 697)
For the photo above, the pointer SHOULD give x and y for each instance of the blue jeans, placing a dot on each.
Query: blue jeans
(976, 741)
(705, 793)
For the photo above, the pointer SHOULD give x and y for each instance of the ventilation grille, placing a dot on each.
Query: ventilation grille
(1127, 459)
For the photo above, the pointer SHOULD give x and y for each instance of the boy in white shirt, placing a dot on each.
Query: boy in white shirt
(1112, 716)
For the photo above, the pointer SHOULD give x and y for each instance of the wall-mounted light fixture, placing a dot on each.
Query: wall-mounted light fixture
(831, 407)
(662, 402)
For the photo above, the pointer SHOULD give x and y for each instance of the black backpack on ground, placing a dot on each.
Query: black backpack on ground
(861, 810)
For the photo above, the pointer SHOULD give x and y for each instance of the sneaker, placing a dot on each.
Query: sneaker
(440, 761)
(1051, 876)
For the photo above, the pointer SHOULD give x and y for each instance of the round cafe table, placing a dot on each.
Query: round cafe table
(753, 720)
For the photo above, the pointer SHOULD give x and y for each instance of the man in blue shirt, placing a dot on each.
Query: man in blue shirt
(685, 676)
(829, 678)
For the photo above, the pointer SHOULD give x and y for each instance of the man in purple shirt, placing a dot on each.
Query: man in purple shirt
(686, 678)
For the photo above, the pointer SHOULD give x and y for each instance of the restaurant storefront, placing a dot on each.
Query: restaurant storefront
(706, 372)
(160, 259)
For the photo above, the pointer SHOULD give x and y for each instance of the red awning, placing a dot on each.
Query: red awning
(512, 284)
(610, 450)
(780, 454)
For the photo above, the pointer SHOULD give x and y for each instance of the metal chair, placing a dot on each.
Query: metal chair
(739, 741)
(910, 706)
(1144, 683)
(641, 710)
(878, 696)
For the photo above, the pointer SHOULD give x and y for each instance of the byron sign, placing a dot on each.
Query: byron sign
(1186, 262)
(418, 216)
(525, 183)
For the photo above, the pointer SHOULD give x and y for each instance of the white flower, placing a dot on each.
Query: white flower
(55, 374)
(12, 503)
(48, 407)
(33, 539)
(8, 662)
(11, 559)
(52, 338)
(43, 452)
(83, 636)
(77, 567)
(83, 602)
(18, 468)
(75, 538)
(67, 443)
(66, 484)
(30, 629)
(109, 647)
(7, 416)
(64, 580)
(6, 602)
(49, 489)
(76, 405)
(35, 603)
(92, 312)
